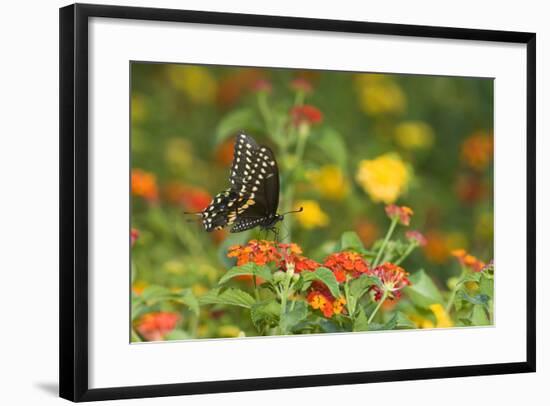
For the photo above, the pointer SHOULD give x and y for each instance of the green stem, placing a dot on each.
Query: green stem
(386, 239)
(450, 302)
(264, 109)
(382, 299)
(256, 292)
(407, 252)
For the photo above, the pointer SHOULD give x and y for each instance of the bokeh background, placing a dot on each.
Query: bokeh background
(421, 141)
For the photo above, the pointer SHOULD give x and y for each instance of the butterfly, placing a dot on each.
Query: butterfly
(253, 197)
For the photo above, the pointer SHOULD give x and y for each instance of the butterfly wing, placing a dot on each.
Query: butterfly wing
(222, 211)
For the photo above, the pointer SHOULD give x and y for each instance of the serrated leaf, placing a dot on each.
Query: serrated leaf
(423, 291)
(359, 286)
(479, 316)
(360, 323)
(237, 120)
(326, 276)
(292, 317)
(265, 313)
(399, 321)
(154, 294)
(189, 299)
(250, 268)
(233, 297)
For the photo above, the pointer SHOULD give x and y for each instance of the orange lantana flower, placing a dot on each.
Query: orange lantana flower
(468, 261)
(154, 326)
(401, 213)
(346, 263)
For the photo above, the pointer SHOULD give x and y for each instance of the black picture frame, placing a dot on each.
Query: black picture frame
(74, 196)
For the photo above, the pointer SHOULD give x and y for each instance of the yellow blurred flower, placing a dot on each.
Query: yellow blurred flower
(139, 111)
(178, 154)
(484, 226)
(414, 135)
(330, 181)
(442, 318)
(312, 216)
(174, 267)
(477, 150)
(199, 289)
(384, 178)
(421, 322)
(379, 94)
(195, 81)
(229, 331)
(139, 286)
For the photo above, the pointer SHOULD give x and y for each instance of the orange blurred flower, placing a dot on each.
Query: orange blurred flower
(233, 86)
(306, 114)
(224, 152)
(154, 326)
(401, 213)
(144, 184)
(477, 150)
(393, 277)
(368, 232)
(346, 263)
(468, 260)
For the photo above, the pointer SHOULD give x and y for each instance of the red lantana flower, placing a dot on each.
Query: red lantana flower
(262, 85)
(346, 263)
(393, 277)
(468, 261)
(306, 114)
(320, 298)
(154, 326)
(401, 213)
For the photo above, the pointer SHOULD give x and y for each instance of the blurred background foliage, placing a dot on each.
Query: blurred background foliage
(421, 141)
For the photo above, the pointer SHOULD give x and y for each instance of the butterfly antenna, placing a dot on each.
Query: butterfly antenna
(301, 209)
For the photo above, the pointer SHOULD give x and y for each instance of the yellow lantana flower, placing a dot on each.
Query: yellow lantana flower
(384, 178)
(195, 81)
(379, 94)
(312, 216)
(442, 317)
(330, 181)
(414, 135)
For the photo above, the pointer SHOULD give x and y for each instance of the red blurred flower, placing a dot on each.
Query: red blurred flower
(477, 150)
(468, 261)
(401, 213)
(301, 85)
(471, 189)
(393, 277)
(144, 184)
(154, 326)
(416, 237)
(134, 234)
(262, 85)
(306, 114)
(346, 263)
(192, 198)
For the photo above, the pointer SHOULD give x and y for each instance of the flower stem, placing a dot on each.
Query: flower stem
(450, 302)
(386, 239)
(407, 252)
(382, 299)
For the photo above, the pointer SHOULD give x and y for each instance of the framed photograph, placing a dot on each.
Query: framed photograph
(256, 202)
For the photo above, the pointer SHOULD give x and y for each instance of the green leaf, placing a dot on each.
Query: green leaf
(360, 323)
(479, 299)
(135, 338)
(187, 297)
(293, 317)
(423, 291)
(250, 268)
(486, 286)
(358, 287)
(177, 335)
(479, 316)
(237, 120)
(326, 276)
(332, 144)
(265, 313)
(399, 321)
(351, 241)
(233, 297)
(154, 294)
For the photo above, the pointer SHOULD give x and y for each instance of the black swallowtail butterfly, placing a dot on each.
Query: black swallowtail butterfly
(253, 197)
